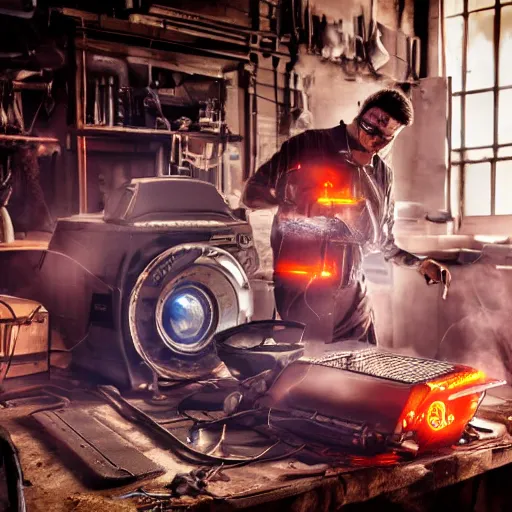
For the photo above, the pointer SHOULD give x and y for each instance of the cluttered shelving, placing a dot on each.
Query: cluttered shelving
(105, 131)
(150, 102)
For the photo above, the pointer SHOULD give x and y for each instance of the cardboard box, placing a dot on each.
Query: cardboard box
(24, 340)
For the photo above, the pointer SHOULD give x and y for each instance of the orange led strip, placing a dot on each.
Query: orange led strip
(457, 381)
(336, 200)
(311, 271)
(329, 201)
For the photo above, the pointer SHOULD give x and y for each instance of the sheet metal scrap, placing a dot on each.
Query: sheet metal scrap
(192, 484)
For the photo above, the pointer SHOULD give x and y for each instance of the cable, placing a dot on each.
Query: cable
(9, 307)
(306, 300)
(68, 350)
(19, 324)
(51, 251)
(125, 408)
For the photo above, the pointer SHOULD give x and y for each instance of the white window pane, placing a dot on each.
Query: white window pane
(453, 7)
(504, 117)
(505, 152)
(479, 123)
(478, 154)
(504, 188)
(456, 156)
(479, 4)
(454, 42)
(506, 46)
(456, 122)
(477, 189)
(480, 63)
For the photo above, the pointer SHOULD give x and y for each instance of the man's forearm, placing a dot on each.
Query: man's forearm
(400, 257)
(258, 196)
(406, 259)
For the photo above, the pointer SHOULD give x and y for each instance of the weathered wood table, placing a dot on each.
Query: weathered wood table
(478, 475)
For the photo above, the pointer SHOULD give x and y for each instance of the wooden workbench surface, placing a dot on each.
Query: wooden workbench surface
(56, 485)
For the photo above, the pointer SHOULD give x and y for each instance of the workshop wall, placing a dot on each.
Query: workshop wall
(418, 157)
(334, 95)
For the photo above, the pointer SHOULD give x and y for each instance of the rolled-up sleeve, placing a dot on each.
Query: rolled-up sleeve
(387, 243)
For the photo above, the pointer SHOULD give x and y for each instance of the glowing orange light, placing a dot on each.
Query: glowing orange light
(345, 196)
(436, 416)
(311, 271)
(382, 459)
(438, 411)
(458, 380)
(336, 200)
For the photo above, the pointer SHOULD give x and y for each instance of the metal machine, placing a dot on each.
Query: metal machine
(150, 280)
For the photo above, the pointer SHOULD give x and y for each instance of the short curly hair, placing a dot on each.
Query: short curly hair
(395, 103)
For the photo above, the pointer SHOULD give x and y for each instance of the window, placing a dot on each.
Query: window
(478, 46)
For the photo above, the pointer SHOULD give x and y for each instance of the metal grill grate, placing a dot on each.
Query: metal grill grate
(379, 363)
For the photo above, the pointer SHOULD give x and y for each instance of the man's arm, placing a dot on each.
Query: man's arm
(388, 246)
(431, 270)
(259, 191)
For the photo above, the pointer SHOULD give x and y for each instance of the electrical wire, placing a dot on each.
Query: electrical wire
(125, 408)
(203, 424)
(84, 268)
(9, 308)
(19, 324)
(68, 350)
(306, 295)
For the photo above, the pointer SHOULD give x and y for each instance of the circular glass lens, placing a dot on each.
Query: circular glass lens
(186, 317)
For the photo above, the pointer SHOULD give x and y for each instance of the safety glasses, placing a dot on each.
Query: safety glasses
(374, 131)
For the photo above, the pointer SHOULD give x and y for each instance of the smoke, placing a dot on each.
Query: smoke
(479, 309)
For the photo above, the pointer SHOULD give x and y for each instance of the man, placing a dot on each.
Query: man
(343, 311)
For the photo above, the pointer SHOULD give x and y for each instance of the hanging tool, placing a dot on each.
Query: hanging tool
(413, 58)
(378, 56)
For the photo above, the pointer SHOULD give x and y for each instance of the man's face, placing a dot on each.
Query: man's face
(377, 129)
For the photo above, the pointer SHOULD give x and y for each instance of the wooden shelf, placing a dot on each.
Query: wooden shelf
(27, 138)
(109, 131)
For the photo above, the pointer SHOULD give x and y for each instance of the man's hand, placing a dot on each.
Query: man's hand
(434, 272)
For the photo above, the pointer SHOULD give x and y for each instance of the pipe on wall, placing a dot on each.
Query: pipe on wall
(109, 65)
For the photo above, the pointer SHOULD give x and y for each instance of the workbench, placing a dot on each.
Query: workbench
(458, 478)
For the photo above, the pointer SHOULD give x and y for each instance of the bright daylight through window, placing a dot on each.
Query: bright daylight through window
(478, 45)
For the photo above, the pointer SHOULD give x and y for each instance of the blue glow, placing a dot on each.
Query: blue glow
(187, 316)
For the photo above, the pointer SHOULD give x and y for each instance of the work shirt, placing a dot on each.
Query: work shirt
(329, 145)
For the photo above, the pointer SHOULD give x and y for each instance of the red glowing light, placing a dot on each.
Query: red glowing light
(459, 380)
(340, 196)
(328, 201)
(438, 411)
(437, 419)
(381, 459)
(309, 271)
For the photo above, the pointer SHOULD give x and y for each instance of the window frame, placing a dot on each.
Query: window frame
(500, 224)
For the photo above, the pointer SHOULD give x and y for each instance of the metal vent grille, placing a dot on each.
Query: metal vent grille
(409, 370)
